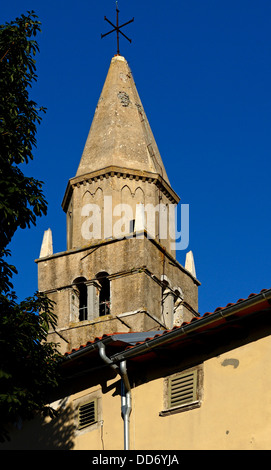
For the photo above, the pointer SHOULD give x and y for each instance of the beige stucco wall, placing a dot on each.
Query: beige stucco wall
(235, 412)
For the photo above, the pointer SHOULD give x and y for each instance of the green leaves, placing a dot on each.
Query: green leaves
(21, 198)
(18, 114)
(28, 363)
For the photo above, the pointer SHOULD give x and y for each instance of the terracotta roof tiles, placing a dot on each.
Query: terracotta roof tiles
(158, 334)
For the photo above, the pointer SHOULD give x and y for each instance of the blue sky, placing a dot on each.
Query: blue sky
(202, 70)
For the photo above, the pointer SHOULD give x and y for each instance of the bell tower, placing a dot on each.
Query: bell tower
(119, 272)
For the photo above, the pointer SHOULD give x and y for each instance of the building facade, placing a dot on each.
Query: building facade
(204, 385)
(142, 369)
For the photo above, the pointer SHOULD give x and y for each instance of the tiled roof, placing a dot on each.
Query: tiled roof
(129, 341)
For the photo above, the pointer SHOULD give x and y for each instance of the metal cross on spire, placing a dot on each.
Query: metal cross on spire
(117, 28)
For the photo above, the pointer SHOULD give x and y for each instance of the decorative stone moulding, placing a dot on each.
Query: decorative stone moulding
(124, 173)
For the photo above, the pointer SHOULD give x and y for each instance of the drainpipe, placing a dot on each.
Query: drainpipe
(126, 401)
(194, 327)
(104, 357)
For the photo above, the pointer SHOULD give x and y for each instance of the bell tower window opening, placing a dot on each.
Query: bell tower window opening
(104, 297)
(82, 298)
(83, 309)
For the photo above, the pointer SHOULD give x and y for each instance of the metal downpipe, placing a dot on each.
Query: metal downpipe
(126, 404)
(126, 401)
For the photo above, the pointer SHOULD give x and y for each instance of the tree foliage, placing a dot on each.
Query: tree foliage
(22, 199)
(28, 364)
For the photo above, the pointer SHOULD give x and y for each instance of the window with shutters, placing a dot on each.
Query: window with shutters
(183, 391)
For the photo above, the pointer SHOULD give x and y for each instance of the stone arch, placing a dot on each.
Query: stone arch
(124, 212)
(104, 293)
(139, 195)
(98, 193)
(92, 196)
(165, 280)
(87, 197)
(79, 300)
(126, 194)
(178, 292)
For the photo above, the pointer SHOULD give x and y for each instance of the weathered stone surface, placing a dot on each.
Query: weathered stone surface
(136, 269)
(190, 264)
(120, 134)
(47, 244)
(107, 282)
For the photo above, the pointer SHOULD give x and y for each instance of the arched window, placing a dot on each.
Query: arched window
(104, 297)
(82, 298)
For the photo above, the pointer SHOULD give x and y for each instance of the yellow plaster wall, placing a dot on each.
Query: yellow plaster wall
(235, 412)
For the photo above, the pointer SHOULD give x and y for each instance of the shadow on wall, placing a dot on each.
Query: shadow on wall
(40, 434)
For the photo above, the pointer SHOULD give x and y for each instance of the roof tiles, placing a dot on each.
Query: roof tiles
(159, 334)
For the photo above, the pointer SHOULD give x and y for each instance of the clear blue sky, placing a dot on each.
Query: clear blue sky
(203, 72)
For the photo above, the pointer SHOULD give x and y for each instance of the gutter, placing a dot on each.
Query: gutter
(179, 332)
(192, 327)
(118, 361)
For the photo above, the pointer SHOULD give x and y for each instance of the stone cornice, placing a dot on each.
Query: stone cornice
(119, 172)
(91, 247)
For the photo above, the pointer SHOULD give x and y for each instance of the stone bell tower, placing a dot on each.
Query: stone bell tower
(119, 272)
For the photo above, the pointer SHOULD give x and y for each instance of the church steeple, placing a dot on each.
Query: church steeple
(120, 147)
(120, 134)
(118, 274)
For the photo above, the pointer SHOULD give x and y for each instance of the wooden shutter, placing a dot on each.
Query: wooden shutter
(182, 389)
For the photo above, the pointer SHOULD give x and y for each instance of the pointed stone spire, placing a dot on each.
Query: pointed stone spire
(47, 244)
(120, 134)
(116, 207)
(190, 264)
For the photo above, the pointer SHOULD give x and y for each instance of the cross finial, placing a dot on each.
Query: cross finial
(117, 28)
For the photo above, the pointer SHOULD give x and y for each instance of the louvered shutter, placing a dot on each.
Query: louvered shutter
(87, 414)
(182, 389)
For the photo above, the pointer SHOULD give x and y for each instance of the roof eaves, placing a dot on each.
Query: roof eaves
(135, 344)
(242, 306)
